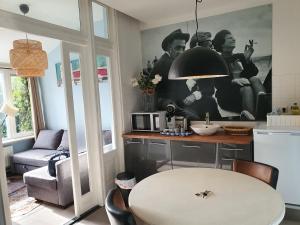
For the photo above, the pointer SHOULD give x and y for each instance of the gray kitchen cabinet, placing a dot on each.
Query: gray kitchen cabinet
(192, 154)
(149, 153)
(229, 152)
(146, 157)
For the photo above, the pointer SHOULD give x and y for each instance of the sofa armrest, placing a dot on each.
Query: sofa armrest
(64, 178)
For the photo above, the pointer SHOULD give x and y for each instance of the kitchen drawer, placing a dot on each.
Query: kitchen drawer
(192, 153)
(159, 149)
(229, 152)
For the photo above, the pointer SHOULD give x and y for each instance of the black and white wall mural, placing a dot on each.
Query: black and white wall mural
(243, 38)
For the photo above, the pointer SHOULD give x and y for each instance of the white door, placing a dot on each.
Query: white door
(84, 179)
(108, 119)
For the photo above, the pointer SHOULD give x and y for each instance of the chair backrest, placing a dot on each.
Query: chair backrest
(263, 172)
(116, 210)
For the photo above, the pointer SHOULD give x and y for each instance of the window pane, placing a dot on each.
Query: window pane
(100, 20)
(79, 120)
(105, 98)
(21, 99)
(2, 115)
(63, 13)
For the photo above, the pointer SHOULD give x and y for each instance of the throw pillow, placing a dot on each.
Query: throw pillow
(64, 144)
(48, 139)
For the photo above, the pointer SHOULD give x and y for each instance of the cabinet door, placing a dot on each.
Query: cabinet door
(160, 152)
(134, 152)
(229, 152)
(281, 150)
(192, 154)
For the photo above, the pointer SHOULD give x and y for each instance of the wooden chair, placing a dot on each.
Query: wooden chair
(263, 172)
(116, 210)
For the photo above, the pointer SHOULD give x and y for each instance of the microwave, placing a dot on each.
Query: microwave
(148, 121)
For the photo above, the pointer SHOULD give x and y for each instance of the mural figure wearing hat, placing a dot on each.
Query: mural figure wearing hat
(238, 91)
(198, 94)
(173, 45)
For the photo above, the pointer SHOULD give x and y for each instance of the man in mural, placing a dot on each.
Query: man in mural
(173, 45)
(238, 91)
(198, 94)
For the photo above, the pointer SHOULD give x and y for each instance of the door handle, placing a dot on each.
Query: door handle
(263, 133)
(232, 149)
(133, 142)
(191, 146)
(157, 143)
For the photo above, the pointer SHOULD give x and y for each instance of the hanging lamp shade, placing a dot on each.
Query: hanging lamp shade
(28, 58)
(197, 63)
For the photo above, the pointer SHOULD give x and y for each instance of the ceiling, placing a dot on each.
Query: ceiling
(154, 13)
(151, 13)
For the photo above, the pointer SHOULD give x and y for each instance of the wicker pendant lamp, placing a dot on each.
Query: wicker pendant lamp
(27, 56)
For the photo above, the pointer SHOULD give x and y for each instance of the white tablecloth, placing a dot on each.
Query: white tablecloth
(168, 198)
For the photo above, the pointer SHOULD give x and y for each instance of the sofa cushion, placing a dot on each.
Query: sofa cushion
(34, 157)
(40, 178)
(48, 139)
(64, 144)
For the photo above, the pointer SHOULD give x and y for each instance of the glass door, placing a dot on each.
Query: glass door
(75, 75)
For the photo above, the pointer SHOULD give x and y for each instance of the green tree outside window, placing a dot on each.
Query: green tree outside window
(21, 99)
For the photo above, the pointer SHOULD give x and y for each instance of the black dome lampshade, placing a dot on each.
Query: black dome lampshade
(197, 63)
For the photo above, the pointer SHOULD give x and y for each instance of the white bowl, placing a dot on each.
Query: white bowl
(203, 129)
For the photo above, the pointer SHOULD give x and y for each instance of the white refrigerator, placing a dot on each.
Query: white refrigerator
(280, 147)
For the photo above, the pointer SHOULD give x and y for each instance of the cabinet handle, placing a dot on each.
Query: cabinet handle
(191, 146)
(280, 133)
(228, 159)
(133, 142)
(263, 133)
(232, 149)
(157, 143)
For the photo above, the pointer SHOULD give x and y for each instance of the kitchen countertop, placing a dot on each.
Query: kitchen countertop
(219, 137)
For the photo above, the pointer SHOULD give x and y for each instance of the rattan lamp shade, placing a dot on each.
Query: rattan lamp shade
(28, 58)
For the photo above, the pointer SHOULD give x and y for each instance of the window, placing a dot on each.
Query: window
(63, 13)
(15, 90)
(100, 20)
(105, 94)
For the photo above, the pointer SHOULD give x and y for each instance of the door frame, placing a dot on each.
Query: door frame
(87, 201)
(84, 37)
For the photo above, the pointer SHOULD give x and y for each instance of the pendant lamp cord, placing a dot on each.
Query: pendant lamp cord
(26, 37)
(24, 8)
(196, 16)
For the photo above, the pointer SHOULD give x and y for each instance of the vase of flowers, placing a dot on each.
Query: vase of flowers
(147, 84)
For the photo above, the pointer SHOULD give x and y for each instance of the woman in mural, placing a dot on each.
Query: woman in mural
(239, 90)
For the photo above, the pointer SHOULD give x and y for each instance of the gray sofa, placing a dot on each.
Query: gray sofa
(47, 144)
(56, 190)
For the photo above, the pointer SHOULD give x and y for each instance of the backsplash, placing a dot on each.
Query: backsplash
(286, 90)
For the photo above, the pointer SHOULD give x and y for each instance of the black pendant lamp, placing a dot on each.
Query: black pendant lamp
(198, 62)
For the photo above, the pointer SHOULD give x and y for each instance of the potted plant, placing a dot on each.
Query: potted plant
(147, 84)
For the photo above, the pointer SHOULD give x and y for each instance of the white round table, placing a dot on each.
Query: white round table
(169, 198)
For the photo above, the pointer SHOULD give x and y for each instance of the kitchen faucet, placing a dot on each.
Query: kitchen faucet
(207, 122)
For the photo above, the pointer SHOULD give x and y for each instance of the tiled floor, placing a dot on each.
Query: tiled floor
(46, 215)
(51, 215)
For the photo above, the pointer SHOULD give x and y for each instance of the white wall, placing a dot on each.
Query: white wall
(285, 44)
(286, 48)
